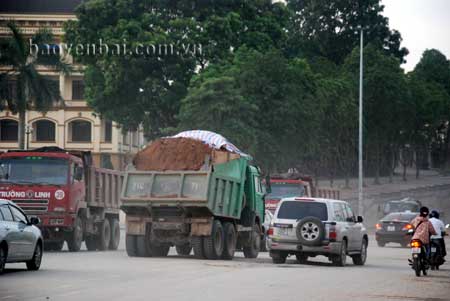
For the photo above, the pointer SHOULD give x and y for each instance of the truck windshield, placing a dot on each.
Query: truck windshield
(298, 210)
(34, 170)
(286, 190)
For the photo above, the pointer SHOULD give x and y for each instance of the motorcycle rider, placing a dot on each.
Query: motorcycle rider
(423, 228)
(439, 226)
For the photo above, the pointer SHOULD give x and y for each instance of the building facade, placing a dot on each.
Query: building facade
(69, 124)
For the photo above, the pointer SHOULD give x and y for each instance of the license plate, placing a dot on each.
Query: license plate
(284, 231)
(415, 250)
(391, 228)
(433, 250)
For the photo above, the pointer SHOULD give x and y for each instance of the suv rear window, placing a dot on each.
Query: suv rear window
(299, 210)
(406, 217)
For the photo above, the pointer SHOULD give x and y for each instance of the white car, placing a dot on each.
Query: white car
(307, 227)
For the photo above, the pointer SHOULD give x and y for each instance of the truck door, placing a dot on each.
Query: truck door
(259, 197)
(77, 186)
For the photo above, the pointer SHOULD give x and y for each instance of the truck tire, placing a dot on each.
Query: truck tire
(76, 236)
(252, 250)
(230, 238)
(213, 244)
(115, 234)
(130, 245)
(54, 246)
(197, 245)
(159, 251)
(91, 242)
(143, 246)
(184, 250)
(104, 236)
(310, 231)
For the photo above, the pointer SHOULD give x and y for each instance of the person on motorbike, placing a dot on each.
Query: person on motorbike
(439, 226)
(423, 228)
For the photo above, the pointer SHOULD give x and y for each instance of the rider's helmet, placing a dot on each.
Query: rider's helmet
(434, 213)
(424, 211)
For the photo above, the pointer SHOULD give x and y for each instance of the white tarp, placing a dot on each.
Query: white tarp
(212, 139)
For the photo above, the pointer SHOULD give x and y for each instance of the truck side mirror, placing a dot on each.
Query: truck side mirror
(78, 173)
(268, 186)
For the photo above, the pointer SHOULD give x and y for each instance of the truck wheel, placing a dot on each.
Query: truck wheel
(91, 242)
(229, 242)
(159, 251)
(213, 244)
(104, 235)
(143, 246)
(184, 250)
(130, 245)
(197, 245)
(115, 234)
(76, 237)
(54, 246)
(252, 250)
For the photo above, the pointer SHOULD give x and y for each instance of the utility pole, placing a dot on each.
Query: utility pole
(360, 142)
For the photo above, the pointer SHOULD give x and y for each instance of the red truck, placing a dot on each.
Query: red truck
(294, 185)
(74, 200)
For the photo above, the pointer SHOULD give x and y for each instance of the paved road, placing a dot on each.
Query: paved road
(114, 276)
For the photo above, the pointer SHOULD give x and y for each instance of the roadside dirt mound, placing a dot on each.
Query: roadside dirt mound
(172, 154)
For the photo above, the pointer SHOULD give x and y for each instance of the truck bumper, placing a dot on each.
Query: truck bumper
(295, 247)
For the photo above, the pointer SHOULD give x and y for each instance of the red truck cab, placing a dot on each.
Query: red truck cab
(74, 200)
(284, 188)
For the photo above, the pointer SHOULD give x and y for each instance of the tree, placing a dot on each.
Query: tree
(157, 83)
(31, 89)
(433, 72)
(385, 95)
(331, 28)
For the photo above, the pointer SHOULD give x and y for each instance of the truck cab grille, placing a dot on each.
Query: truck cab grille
(33, 206)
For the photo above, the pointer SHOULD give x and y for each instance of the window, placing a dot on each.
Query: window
(18, 216)
(285, 190)
(9, 130)
(7, 216)
(107, 131)
(75, 166)
(258, 187)
(80, 131)
(339, 213)
(349, 216)
(44, 130)
(298, 210)
(77, 90)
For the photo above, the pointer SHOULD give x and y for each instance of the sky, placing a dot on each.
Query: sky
(423, 24)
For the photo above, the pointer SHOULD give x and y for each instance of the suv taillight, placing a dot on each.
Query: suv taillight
(333, 233)
(270, 231)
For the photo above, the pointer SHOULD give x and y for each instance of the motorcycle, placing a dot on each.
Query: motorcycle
(436, 258)
(419, 258)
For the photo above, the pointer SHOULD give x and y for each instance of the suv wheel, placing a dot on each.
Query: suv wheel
(341, 259)
(310, 231)
(360, 259)
(278, 257)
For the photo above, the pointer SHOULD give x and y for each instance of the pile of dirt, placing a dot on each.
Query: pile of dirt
(173, 154)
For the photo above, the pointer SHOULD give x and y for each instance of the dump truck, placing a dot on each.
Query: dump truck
(74, 200)
(293, 184)
(213, 208)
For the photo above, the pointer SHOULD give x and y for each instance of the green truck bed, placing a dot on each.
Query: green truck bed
(219, 189)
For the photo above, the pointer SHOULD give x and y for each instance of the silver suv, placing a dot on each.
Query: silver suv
(307, 227)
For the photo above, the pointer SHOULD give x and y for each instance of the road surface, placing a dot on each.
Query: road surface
(114, 276)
